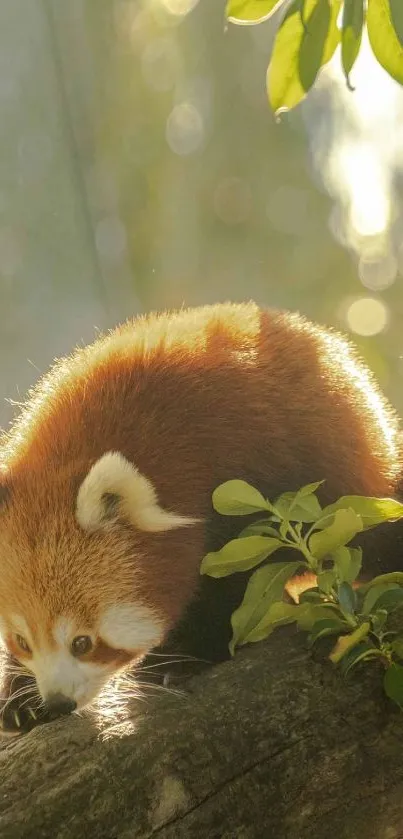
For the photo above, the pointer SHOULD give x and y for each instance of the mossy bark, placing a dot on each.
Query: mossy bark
(271, 744)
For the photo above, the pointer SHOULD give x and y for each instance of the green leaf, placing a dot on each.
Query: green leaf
(392, 577)
(307, 511)
(348, 563)
(237, 498)
(246, 12)
(347, 598)
(278, 614)
(239, 555)
(374, 593)
(361, 652)
(282, 505)
(308, 489)
(309, 507)
(326, 581)
(316, 612)
(397, 646)
(393, 683)
(300, 506)
(351, 34)
(345, 525)
(329, 626)
(396, 14)
(263, 527)
(305, 506)
(301, 48)
(378, 620)
(385, 35)
(265, 586)
(372, 511)
(347, 642)
(390, 600)
(311, 595)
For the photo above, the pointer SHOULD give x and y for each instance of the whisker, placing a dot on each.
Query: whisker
(14, 668)
(135, 680)
(17, 695)
(181, 656)
(20, 692)
(16, 692)
(38, 704)
(25, 689)
(17, 674)
(145, 686)
(160, 664)
(27, 683)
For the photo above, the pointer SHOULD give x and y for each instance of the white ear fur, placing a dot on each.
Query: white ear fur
(136, 499)
(130, 626)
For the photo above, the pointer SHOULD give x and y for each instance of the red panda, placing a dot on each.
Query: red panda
(107, 476)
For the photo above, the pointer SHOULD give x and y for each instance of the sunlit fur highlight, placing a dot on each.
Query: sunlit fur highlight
(189, 400)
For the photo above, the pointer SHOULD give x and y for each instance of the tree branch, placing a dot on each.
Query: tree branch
(270, 744)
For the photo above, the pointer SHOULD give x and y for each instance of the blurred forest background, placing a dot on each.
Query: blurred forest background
(141, 167)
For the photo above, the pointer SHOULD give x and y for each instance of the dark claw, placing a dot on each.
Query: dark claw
(17, 715)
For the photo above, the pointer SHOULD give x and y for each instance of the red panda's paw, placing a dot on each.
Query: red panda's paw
(19, 699)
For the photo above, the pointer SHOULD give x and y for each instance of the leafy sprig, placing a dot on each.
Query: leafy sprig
(311, 30)
(356, 615)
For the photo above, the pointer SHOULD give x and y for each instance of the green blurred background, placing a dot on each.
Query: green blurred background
(141, 167)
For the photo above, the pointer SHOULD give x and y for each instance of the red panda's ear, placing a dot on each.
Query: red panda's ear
(114, 489)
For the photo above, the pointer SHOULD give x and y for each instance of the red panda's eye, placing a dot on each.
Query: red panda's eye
(81, 645)
(22, 643)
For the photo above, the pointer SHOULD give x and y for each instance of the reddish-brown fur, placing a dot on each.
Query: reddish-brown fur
(103, 654)
(192, 399)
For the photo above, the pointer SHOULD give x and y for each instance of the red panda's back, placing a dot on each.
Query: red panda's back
(202, 395)
(227, 377)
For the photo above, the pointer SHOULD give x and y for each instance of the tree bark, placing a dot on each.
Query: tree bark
(271, 744)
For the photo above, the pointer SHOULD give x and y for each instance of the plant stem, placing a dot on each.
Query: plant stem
(302, 546)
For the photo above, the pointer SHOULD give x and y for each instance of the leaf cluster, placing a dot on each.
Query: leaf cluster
(309, 33)
(357, 616)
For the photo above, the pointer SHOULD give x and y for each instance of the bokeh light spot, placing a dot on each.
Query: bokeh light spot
(367, 316)
(184, 129)
(179, 8)
(357, 150)
(378, 274)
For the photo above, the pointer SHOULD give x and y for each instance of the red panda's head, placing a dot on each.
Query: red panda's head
(82, 591)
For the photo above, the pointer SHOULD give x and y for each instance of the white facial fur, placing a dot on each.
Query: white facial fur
(127, 626)
(113, 474)
(59, 672)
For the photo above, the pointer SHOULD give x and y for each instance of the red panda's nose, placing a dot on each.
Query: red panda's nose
(58, 705)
